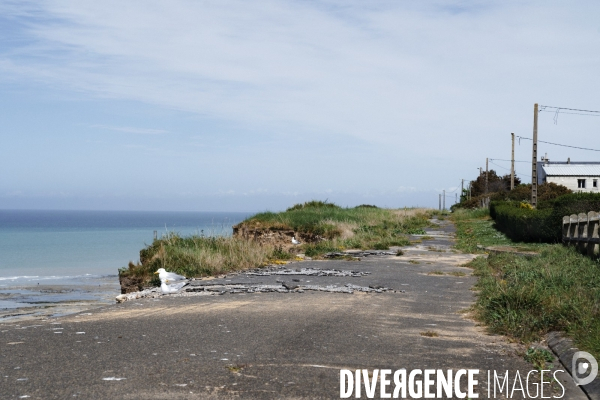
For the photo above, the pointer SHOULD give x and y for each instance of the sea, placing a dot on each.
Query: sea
(54, 263)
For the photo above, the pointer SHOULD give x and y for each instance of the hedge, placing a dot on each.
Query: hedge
(545, 223)
(526, 225)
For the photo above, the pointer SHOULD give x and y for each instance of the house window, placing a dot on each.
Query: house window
(581, 183)
(595, 183)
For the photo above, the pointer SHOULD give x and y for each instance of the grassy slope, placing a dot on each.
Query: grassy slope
(345, 228)
(527, 297)
(341, 228)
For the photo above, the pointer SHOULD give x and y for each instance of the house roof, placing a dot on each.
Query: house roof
(572, 169)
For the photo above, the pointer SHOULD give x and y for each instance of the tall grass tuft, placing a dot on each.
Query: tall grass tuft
(197, 256)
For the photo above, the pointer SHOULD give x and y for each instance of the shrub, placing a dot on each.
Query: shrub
(495, 183)
(525, 224)
(520, 223)
(574, 203)
(546, 192)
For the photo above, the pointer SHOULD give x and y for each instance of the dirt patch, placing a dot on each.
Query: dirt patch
(275, 236)
(131, 284)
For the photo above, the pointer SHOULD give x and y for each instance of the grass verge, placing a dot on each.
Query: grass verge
(475, 227)
(525, 298)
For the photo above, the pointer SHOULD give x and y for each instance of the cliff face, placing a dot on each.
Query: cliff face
(131, 284)
(274, 236)
(133, 278)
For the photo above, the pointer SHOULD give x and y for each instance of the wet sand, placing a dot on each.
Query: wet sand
(51, 298)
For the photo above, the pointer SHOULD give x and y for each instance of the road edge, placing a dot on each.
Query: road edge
(564, 349)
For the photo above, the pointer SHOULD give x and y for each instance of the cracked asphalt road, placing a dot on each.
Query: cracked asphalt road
(263, 345)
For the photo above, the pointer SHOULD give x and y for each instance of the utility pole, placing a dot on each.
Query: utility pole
(462, 188)
(486, 175)
(440, 196)
(455, 198)
(512, 163)
(534, 157)
(444, 200)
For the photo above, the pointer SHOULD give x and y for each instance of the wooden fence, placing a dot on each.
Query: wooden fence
(582, 231)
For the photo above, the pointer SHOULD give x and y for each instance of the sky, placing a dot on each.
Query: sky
(232, 105)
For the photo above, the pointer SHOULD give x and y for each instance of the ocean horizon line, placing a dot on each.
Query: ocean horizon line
(134, 211)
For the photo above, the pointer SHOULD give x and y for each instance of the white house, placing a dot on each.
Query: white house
(577, 176)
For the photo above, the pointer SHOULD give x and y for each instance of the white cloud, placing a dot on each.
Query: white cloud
(372, 72)
(419, 92)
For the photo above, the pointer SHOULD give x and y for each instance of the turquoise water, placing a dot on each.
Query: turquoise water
(47, 244)
(58, 262)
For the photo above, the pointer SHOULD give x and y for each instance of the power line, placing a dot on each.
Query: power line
(452, 191)
(574, 111)
(557, 144)
(543, 108)
(499, 159)
(529, 176)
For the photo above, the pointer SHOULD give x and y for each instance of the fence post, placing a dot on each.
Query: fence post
(582, 222)
(593, 221)
(574, 234)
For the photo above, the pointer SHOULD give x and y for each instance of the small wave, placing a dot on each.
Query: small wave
(8, 278)
(54, 277)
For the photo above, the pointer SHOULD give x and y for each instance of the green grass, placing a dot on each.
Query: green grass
(324, 219)
(475, 227)
(197, 256)
(334, 228)
(540, 358)
(527, 297)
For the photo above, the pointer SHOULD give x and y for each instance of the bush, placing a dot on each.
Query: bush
(546, 192)
(525, 224)
(520, 223)
(575, 203)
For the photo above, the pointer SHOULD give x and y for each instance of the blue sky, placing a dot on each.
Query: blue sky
(235, 105)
